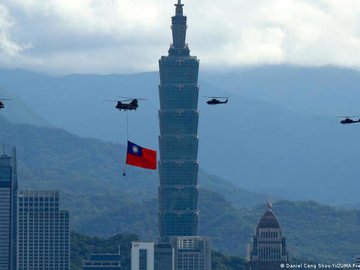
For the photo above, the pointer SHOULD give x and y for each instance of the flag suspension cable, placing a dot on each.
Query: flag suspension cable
(127, 139)
(127, 125)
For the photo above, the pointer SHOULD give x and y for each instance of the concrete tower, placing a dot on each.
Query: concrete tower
(178, 140)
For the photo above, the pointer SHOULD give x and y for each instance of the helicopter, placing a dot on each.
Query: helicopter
(2, 106)
(217, 100)
(348, 120)
(125, 105)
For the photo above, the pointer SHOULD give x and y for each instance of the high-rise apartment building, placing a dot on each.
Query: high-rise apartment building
(178, 140)
(8, 190)
(267, 250)
(43, 232)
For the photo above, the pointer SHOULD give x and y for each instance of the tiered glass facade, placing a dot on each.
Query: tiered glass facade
(178, 140)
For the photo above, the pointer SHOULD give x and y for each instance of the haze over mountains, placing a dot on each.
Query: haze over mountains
(277, 135)
(102, 202)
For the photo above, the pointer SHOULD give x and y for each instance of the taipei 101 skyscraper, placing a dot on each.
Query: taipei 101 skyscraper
(178, 140)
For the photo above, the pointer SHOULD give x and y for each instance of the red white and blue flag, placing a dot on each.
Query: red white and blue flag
(140, 156)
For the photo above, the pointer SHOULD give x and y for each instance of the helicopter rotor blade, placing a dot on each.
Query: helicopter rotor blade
(138, 98)
(213, 97)
(130, 99)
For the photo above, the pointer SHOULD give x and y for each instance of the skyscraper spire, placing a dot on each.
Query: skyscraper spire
(179, 8)
(179, 27)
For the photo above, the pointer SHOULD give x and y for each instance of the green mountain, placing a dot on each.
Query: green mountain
(104, 203)
(277, 135)
(17, 111)
(82, 246)
(314, 232)
(52, 158)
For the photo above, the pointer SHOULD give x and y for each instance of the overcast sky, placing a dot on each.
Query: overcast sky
(123, 36)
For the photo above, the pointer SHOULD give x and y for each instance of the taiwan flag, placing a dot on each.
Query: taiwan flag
(140, 156)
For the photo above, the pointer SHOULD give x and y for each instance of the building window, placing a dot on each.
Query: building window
(142, 259)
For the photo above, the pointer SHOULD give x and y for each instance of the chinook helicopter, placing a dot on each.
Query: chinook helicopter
(127, 104)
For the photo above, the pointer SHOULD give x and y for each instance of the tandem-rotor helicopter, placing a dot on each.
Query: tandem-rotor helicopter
(349, 120)
(127, 104)
(217, 100)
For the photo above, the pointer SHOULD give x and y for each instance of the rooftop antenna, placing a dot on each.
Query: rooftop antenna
(269, 204)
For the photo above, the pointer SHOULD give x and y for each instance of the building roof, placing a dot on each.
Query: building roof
(268, 220)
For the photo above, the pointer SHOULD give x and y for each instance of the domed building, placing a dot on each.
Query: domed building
(267, 249)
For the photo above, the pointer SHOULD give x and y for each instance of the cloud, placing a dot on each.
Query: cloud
(93, 17)
(130, 35)
(288, 31)
(8, 47)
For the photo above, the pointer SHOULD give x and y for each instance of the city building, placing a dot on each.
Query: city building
(103, 262)
(8, 190)
(142, 256)
(178, 140)
(180, 253)
(192, 252)
(164, 257)
(267, 250)
(43, 232)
